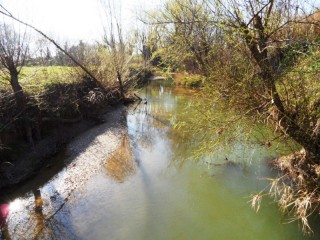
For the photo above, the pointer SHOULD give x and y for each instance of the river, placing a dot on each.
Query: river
(131, 181)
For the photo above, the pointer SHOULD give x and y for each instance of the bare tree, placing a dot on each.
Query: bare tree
(6, 13)
(13, 50)
(116, 43)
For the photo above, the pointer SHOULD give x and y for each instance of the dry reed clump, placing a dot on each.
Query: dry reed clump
(297, 189)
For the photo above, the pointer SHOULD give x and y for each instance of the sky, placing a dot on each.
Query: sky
(73, 20)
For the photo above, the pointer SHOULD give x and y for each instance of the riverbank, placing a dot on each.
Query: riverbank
(181, 79)
(39, 166)
(59, 104)
(50, 120)
(67, 173)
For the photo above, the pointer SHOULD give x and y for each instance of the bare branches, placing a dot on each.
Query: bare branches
(6, 13)
(118, 48)
(269, 13)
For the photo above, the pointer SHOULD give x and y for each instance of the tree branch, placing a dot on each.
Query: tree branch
(6, 13)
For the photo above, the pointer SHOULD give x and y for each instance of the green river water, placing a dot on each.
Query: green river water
(146, 191)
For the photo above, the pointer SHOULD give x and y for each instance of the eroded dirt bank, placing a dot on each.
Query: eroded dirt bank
(84, 136)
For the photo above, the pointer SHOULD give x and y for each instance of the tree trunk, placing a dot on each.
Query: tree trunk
(18, 91)
(21, 103)
(120, 85)
(257, 44)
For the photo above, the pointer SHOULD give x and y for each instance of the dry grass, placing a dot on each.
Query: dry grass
(296, 191)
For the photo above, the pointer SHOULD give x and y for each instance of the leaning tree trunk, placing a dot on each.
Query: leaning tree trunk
(120, 85)
(17, 90)
(257, 44)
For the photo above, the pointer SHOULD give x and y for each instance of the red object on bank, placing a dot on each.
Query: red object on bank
(4, 212)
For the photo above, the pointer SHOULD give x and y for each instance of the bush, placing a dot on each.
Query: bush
(190, 81)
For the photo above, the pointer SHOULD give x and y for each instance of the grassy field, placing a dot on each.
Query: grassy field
(35, 79)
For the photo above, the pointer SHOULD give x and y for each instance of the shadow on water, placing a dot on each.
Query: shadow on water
(44, 175)
(56, 223)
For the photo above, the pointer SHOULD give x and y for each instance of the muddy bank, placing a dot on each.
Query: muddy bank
(44, 157)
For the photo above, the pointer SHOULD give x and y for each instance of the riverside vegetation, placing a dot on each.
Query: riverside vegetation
(259, 59)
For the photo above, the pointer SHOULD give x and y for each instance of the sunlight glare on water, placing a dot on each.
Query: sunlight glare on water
(16, 205)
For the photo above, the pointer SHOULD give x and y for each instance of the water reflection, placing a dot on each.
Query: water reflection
(121, 164)
(41, 217)
(5, 232)
(38, 211)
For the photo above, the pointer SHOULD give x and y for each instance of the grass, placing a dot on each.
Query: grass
(295, 190)
(34, 79)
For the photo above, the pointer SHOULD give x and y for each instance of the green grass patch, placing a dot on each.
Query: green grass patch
(35, 79)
